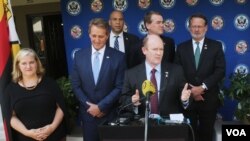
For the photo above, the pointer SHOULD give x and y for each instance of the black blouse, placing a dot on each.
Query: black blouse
(36, 108)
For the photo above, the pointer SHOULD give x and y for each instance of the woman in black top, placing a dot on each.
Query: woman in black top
(36, 102)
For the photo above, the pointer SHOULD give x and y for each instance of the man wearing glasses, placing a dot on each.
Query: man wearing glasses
(203, 62)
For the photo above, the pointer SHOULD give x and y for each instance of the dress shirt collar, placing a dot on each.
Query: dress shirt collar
(113, 35)
(101, 51)
(200, 42)
(149, 68)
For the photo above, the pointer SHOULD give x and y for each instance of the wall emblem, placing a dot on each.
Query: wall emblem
(217, 23)
(144, 4)
(216, 2)
(73, 7)
(169, 25)
(167, 4)
(74, 52)
(241, 47)
(241, 1)
(241, 22)
(142, 28)
(223, 45)
(76, 31)
(96, 6)
(125, 27)
(191, 2)
(241, 68)
(120, 5)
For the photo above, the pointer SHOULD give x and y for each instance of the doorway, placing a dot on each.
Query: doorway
(47, 39)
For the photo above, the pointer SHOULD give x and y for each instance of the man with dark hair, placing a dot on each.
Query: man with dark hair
(203, 62)
(153, 22)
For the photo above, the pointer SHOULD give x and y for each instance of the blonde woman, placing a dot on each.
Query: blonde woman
(36, 102)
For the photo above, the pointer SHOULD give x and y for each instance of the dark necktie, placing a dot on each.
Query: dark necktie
(154, 97)
(116, 43)
(197, 54)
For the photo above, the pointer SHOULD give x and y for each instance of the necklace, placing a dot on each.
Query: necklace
(31, 87)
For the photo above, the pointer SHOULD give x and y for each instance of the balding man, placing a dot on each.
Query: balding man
(168, 79)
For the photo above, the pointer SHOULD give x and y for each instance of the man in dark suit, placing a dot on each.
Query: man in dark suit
(126, 41)
(96, 91)
(169, 81)
(203, 62)
(154, 24)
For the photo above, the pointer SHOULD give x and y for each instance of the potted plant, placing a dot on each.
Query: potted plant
(239, 90)
(69, 97)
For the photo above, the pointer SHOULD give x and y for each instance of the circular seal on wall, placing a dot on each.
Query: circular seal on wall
(217, 23)
(144, 4)
(125, 27)
(216, 2)
(241, 1)
(241, 22)
(192, 2)
(241, 47)
(241, 68)
(120, 5)
(76, 31)
(187, 24)
(74, 52)
(142, 28)
(73, 7)
(96, 6)
(223, 45)
(167, 4)
(169, 25)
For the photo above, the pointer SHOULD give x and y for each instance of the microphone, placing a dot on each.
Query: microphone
(148, 88)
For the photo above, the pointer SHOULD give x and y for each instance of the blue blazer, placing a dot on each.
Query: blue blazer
(109, 84)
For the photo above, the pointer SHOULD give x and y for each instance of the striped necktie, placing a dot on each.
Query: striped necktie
(116, 43)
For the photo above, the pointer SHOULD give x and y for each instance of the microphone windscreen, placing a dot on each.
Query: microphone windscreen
(148, 87)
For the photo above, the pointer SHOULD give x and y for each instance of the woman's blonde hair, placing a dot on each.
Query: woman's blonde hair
(16, 72)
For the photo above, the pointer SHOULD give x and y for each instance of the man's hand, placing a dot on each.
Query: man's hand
(136, 98)
(197, 90)
(185, 94)
(94, 110)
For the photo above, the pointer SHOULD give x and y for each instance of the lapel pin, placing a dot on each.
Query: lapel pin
(107, 57)
(205, 46)
(166, 74)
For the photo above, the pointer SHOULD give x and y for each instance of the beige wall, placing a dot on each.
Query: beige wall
(20, 13)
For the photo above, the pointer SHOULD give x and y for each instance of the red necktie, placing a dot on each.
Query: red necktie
(154, 97)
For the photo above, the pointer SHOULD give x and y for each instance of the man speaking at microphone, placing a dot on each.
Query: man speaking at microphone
(171, 95)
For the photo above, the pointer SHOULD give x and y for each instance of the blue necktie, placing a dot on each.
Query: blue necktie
(96, 66)
(197, 54)
(116, 43)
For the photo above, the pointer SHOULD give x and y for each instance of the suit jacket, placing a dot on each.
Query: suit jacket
(109, 84)
(131, 50)
(211, 68)
(172, 83)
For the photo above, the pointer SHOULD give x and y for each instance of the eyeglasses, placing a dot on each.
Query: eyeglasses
(197, 27)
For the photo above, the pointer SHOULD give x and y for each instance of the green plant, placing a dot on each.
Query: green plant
(69, 97)
(239, 90)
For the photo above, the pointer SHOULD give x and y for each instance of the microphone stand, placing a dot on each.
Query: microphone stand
(146, 117)
(123, 107)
